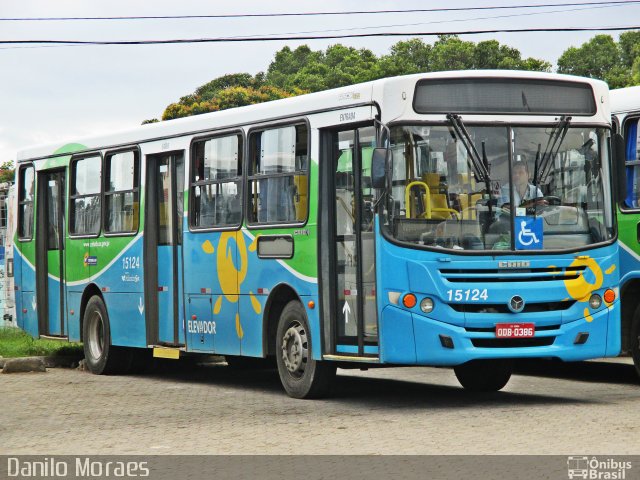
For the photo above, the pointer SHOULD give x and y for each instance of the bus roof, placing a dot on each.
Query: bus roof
(339, 98)
(625, 100)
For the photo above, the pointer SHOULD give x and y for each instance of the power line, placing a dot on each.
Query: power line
(315, 37)
(457, 20)
(312, 14)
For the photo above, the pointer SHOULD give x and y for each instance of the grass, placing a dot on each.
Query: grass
(16, 343)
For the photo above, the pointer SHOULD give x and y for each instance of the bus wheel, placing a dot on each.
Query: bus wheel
(301, 375)
(100, 356)
(484, 375)
(635, 340)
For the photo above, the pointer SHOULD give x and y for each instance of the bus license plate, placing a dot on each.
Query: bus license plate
(515, 330)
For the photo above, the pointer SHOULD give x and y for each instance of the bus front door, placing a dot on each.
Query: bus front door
(352, 258)
(163, 249)
(50, 226)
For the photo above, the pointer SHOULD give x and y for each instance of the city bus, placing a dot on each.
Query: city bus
(371, 225)
(625, 106)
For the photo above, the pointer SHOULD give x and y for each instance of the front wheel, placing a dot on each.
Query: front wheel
(301, 375)
(100, 356)
(484, 375)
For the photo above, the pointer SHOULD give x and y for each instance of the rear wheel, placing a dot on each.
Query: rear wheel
(301, 375)
(484, 375)
(100, 356)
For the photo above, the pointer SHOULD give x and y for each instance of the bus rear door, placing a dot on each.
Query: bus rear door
(50, 253)
(163, 248)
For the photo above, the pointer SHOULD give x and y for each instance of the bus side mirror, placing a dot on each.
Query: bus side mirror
(619, 168)
(379, 162)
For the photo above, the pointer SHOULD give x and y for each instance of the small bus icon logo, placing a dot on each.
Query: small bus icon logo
(578, 467)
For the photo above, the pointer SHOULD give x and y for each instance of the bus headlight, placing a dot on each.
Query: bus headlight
(426, 305)
(595, 301)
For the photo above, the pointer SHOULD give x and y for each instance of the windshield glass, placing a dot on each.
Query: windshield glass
(545, 188)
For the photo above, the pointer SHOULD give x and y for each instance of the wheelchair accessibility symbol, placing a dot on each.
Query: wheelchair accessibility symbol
(528, 231)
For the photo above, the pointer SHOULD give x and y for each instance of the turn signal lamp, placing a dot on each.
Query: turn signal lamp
(609, 296)
(409, 300)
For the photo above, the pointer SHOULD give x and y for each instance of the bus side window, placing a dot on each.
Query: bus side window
(85, 196)
(26, 185)
(122, 192)
(279, 175)
(632, 150)
(216, 180)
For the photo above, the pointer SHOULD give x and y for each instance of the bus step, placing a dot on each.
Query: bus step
(349, 358)
(54, 337)
(166, 352)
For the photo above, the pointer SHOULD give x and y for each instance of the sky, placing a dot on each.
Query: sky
(55, 94)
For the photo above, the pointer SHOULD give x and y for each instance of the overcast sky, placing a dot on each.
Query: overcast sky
(51, 94)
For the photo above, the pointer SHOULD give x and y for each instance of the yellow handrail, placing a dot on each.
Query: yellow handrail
(428, 211)
(427, 198)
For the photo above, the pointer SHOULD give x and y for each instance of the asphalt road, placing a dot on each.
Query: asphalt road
(549, 408)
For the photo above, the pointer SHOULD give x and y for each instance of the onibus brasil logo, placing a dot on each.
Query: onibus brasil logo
(595, 468)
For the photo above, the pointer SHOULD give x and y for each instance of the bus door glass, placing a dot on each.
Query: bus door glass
(50, 253)
(163, 245)
(354, 263)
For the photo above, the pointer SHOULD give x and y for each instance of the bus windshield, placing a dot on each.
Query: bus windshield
(528, 187)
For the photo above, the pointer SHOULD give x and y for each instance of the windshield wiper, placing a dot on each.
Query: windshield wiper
(556, 137)
(480, 165)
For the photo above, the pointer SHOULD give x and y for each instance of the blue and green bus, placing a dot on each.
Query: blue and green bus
(625, 106)
(460, 219)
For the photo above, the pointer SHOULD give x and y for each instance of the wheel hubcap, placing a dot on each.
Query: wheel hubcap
(295, 349)
(96, 336)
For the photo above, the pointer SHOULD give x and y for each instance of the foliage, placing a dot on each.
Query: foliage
(150, 120)
(617, 63)
(303, 70)
(16, 343)
(227, 97)
(7, 172)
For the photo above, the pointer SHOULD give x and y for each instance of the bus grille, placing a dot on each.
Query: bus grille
(515, 275)
(504, 308)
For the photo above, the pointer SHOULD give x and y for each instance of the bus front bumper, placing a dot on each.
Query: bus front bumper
(412, 339)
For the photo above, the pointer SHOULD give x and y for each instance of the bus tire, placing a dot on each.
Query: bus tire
(484, 375)
(635, 340)
(101, 358)
(300, 374)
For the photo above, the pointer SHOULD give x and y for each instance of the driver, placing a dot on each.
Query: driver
(525, 194)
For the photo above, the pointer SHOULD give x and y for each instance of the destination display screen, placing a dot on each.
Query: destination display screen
(504, 96)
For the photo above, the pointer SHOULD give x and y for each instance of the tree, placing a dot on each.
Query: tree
(210, 89)
(7, 172)
(406, 57)
(601, 57)
(289, 64)
(303, 70)
(222, 99)
(312, 71)
(451, 53)
(629, 43)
